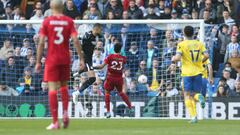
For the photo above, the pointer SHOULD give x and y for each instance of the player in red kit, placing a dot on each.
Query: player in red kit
(58, 29)
(114, 79)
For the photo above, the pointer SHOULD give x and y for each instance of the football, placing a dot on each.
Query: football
(142, 79)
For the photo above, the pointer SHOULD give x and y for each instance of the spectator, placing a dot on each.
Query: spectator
(151, 53)
(185, 14)
(93, 13)
(83, 28)
(225, 5)
(125, 15)
(230, 81)
(31, 63)
(133, 11)
(37, 16)
(232, 46)
(235, 32)
(223, 41)
(154, 77)
(235, 60)
(160, 9)
(98, 59)
(150, 13)
(38, 6)
(226, 19)
(95, 91)
(142, 70)
(116, 8)
(70, 10)
(8, 13)
(168, 52)
(223, 88)
(140, 5)
(210, 8)
(194, 14)
(125, 37)
(25, 47)
(133, 87)
(174, 14)
(30, 81)
(7, 46)
(133, 57)
(10, 72)
(183, 5)
(44, 89)
(206, 17)
(170, 90)
(102, 5)
(127, 79)
(6, 90)
(233, 72)
(166, 14)
(17, 13)
(153, 35)
(172, 74)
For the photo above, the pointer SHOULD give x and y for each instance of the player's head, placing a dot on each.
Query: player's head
(97, 29)
(188, 31)
(117, 48)
(56, 5)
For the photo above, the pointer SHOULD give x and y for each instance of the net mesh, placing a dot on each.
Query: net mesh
(153, 93)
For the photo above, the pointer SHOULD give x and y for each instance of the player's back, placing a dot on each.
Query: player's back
(191, 51)
(115, 65)
(58, 30)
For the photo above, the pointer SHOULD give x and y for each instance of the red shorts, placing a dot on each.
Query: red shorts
(54, 73)
(111, 83)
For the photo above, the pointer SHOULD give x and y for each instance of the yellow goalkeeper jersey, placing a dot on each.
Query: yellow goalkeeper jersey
(191, 52)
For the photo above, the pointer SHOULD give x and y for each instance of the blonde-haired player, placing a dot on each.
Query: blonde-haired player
(192, 54)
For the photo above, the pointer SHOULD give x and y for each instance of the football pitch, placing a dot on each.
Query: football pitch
(122, 127)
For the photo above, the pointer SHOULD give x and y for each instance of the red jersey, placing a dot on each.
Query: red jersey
(58, 30)
(115, 64)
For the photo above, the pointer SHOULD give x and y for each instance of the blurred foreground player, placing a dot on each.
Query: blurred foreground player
(114, 79)
(58, 29)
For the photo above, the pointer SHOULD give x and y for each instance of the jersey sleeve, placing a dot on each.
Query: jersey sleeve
(106, 60)
(72, 29)
(179, 49)
(43, 28)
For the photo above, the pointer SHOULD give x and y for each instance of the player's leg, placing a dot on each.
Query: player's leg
(197, 86)
(91, 79)
(108, 87)
(187, 85)
(65, 99)
(204, 87)
(52, 76)
(53, 104)
(119, 87)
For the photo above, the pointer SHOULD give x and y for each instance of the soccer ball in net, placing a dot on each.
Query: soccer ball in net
(142, 79)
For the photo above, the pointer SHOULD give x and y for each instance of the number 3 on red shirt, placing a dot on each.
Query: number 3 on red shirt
(58, 35)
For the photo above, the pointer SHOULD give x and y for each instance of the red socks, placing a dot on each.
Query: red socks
(65, 98)
(53, 104)
(107, 101)
(125, 99)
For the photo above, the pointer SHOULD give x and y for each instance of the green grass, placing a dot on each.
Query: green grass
(122, 127)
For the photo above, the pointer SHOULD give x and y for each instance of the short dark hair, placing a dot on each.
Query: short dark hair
(117, 48)
(97, 25)
(188, 31)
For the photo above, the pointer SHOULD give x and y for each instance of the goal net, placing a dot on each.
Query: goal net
(153, 87)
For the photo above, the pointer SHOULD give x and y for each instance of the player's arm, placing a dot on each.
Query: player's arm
(100, 66)
(205, 56)
(178, 55)
(40, 50)
(210, 72)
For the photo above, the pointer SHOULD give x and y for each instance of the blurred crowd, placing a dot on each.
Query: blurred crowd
(148, 49)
